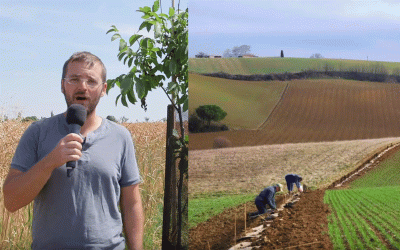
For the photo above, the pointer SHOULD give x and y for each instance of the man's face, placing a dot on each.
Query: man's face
(81, 92)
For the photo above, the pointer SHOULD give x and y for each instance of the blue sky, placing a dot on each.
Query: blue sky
(334, 28)
(37, 37)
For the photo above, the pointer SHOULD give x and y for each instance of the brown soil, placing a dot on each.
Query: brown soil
(304, 226)
(321, 110)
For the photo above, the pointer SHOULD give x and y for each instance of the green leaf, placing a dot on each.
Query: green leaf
(157, 30)
(122, 44)
(140, 88)
(149, 44)
(113, 29)
(110, 30)
(172, 67)
(172, 86)
(186, 105)
(145, 9)
(116, 100)
(121, 56)
(123, 100)
(126, 58)
(171, 11)
(130, 62)
(144, 24)
(115, 36)
(110, 84)
(126, 84)
(149, 26)
(134, 38)
(156, 6)
(187, 139)
(131, 96)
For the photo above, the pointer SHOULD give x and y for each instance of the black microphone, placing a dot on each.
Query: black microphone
(76, 117)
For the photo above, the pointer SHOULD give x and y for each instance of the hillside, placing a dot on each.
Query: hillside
(241, 100)
(322, 110)
(268, 65)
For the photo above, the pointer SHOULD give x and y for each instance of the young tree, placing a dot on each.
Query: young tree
(159, 59)
(210, 113)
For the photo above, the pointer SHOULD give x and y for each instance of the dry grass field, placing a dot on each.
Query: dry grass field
(322, 110)
(250, 169)
(241, 100)
(149, 141)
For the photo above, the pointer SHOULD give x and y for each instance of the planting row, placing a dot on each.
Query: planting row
(365, 218)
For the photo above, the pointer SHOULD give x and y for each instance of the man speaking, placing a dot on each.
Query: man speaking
(81, 211)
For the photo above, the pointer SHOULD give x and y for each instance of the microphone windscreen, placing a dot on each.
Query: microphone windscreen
(76, 114)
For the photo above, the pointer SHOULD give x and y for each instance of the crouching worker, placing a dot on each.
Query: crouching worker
(293, 179)
(266, 197)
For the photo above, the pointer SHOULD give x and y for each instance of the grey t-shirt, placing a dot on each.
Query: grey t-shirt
(81, 211)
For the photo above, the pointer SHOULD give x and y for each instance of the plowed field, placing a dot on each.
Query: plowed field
(305, 226)
(322, 110)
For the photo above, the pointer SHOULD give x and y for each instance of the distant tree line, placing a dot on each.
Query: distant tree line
(237, 51)
(375, 73)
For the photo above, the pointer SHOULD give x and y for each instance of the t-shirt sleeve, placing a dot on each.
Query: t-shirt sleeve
(129, 169)
(26, 153)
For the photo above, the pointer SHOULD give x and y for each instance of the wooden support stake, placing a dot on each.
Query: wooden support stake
(245, 218)
(235, 229)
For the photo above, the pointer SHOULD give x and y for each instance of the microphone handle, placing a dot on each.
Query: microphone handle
(73, 128)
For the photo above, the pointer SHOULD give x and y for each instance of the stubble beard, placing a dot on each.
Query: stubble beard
(89, 108)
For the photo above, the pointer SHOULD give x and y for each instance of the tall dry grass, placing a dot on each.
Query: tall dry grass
(149, 138)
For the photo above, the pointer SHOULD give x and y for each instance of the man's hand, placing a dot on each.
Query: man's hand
(68, 149)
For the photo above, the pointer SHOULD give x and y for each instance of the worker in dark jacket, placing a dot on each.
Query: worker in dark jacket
(266, 197)
(293, 179)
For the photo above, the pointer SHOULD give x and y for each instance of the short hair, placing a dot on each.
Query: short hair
(89, 59)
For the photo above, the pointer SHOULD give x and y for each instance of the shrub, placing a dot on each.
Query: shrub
(222, 142)
(194, 123)
(30, 118)
(111, 118)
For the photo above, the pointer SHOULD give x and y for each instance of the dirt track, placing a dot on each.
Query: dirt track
(302, 227)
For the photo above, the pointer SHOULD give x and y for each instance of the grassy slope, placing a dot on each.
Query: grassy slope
(247, 103)
(268, 65)
(377, 193)
(207, 206)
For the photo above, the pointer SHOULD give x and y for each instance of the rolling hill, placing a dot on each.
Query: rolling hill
(318, 110)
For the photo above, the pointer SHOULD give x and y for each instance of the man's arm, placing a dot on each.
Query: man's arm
(133, 217)
(21, 188)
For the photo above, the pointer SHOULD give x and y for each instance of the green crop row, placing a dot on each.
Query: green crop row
(361, 216)
(386, 174)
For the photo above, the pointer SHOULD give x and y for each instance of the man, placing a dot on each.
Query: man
(82, 211)
(266, 197)
(293, 179)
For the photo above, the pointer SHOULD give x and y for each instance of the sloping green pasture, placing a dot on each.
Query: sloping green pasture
(269, 65)
(367, 216)
(248, 103)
